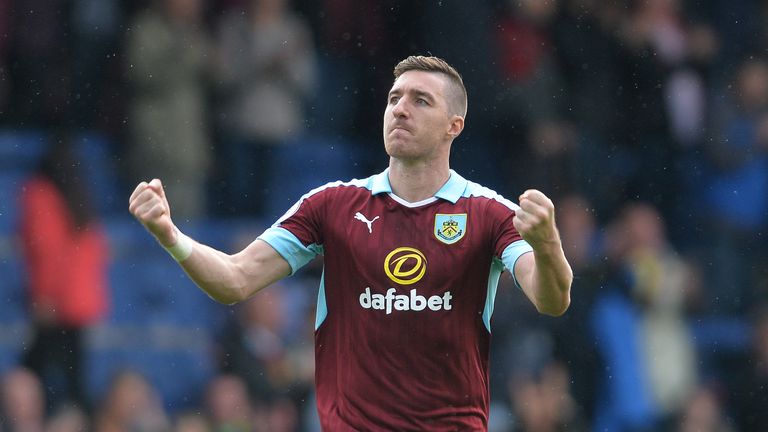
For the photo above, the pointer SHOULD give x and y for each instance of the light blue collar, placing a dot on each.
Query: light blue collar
(451, 191)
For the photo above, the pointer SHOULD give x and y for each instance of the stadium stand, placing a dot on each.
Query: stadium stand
(96, 154)
(324, 159)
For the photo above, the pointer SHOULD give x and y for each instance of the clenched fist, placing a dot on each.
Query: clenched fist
(149, 206)
(535, 220)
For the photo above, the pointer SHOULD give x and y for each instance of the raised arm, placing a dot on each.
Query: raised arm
(225, 278)
(545, 274)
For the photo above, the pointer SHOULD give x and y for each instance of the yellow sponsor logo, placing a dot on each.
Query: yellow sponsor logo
(405, 265)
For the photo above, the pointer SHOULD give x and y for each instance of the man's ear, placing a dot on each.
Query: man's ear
(456, 126)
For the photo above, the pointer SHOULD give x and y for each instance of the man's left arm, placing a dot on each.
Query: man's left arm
(544, 275)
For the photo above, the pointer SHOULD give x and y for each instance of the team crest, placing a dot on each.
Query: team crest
(450, 228)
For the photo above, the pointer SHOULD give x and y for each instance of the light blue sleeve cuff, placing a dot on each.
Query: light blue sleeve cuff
(511, 254)
(290, 248)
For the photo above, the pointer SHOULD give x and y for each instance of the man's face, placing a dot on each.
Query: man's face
(417, 120)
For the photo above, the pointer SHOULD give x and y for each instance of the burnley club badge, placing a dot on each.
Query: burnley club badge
(450, 228)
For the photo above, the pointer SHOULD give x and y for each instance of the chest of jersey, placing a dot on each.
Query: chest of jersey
(398, 259)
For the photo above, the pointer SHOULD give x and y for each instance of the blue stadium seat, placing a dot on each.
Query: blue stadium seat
(13, 310)
(147, 285)
(125, 303)
(11, 181)
(161, 324)
(12, 338)
(191, 371)
(306, 163)
(176, 360)
(21, 149)
(130, 248)
(13, 307)
(96, 155)
(102, 363)
(157, 292)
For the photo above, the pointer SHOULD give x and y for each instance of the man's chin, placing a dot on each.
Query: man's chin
(393, 146)
(402, 155)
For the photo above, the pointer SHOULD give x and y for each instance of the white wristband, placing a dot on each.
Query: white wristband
(183, 247)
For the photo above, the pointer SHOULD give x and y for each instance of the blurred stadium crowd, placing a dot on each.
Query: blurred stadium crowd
(645, 120)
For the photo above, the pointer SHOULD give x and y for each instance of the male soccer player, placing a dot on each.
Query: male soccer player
(412, 261)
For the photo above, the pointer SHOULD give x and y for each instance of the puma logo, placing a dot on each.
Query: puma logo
(359, 216)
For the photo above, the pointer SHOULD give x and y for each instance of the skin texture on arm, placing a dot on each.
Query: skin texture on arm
(225, 278)
(233, 278)
(544, 275)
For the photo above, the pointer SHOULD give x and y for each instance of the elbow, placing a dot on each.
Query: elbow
(228, 299)
(227, 295)
(555, 309)
(558, 305)
(555, 298)
(237, 289)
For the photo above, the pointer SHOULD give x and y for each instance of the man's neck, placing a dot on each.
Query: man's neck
(417, 182)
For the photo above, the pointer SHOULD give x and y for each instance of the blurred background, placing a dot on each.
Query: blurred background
(646, 121)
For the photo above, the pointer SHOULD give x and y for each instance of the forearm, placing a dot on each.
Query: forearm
(551, 280)
(216, 273)
(228, 278)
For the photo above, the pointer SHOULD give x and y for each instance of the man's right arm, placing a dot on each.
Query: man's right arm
(225, 278)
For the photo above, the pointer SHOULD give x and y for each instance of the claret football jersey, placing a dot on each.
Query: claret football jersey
(402, 330)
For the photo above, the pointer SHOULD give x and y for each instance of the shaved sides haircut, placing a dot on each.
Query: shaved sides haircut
(456, 94)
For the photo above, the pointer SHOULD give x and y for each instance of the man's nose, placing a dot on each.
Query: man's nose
(399, 110)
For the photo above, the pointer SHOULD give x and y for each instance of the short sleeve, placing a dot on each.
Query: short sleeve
(297, 235)
(290, 247)
(512, 253)
(508, 243)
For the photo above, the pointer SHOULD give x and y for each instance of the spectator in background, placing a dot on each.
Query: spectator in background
(587, 52)
(530, 102)
(582, 243)
(66, 255)
(639, 323)
(662, 62)
(254, 348)
(228, 404)
(265, 73)
(659, 288)
(736, 193)
(131, 404)
(553, 156)
(22, 402)
(190, 421)
(257, 347)
(543, 403)
(652, 41)
(704, 412)
(167, 65)
(68, 418)
(527, 62)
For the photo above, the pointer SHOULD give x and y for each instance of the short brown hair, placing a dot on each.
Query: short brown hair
(458, 93)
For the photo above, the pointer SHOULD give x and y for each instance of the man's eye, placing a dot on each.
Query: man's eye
(422, 101)
(393, 100)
